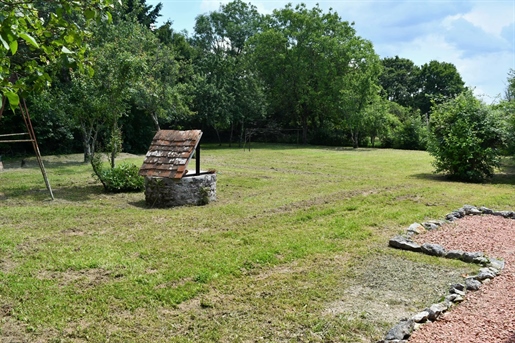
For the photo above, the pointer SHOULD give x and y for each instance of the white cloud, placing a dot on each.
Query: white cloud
(212, 5)
(489, 79)
(477, 36)
(479, 72)
(491, 16)
(473, 40)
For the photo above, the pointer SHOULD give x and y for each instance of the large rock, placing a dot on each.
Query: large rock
(505, 214)
(436, 310)
(496, 264)
(455, 254)
(484, 273)
(486, 210)
(400, 331)
(416, 229)
(401, 242)
(451, 217)
(433, 249)
(430, 226)
(460, 213)
(471, 210)
(472, 257)
(420, 317)
(472, 284)
(455, 298)
(456, 287)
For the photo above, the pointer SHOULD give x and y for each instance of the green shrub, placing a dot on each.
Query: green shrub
(411, 134)
(466, 138)
(404, 129)
(122, 178)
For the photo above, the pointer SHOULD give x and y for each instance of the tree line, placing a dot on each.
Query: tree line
(100, 75)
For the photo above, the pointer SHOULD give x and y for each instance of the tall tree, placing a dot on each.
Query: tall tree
(144, 14)
(228, 90)
(310, 61)
(160, 93)
(360, 92)
(439, 81)
(99, 100)
(400, 80)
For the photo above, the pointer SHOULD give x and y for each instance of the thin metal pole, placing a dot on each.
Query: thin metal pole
(197, 160)
(26, 118)
(14, 134)
(15, 140)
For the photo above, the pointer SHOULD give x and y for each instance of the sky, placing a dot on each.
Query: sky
(478, 37)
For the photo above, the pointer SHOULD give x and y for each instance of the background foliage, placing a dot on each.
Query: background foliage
(96, 70)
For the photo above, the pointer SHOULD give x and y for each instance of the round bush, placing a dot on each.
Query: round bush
(466, 137)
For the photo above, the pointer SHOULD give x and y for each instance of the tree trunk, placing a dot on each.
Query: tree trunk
(156, 121)
(304, 121)
(218, 135)
(86, 141)
(87, 150)
(242, 133)
(230, 137)
(355, 139)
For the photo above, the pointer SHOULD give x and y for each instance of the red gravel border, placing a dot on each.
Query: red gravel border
(487, 315)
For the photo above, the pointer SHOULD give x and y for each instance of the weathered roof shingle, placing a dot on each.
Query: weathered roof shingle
(170, 153)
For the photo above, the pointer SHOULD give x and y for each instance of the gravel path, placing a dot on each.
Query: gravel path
(487, 315)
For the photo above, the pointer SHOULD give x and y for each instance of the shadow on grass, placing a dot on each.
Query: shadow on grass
(254, 146)
(432, 177)
(506, 176)
(78, 193)
(140, 204)
(348, 148)
(16, 165)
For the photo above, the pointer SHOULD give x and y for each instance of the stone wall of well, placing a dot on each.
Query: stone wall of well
(191, 190)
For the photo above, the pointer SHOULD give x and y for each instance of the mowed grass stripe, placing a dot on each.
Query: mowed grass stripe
(90, 257)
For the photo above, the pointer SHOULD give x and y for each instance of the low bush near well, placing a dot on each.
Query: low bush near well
(122, 178)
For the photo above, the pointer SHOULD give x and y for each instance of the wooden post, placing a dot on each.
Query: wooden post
(26, 118)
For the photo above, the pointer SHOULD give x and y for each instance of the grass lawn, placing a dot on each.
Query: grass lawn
(294, 249)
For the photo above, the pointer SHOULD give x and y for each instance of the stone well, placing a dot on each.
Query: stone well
(189, 190)
(167, 181)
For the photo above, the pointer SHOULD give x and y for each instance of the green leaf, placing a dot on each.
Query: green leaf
(4, 43)
(69, 38)
(13, 98)
(89, 13)
(14, 46)
(65, 50)
(29, 39)
(91, 71)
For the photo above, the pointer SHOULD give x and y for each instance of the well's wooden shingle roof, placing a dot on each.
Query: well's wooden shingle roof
(170, 153)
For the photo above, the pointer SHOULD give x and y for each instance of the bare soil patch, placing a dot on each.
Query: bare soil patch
(388, 288)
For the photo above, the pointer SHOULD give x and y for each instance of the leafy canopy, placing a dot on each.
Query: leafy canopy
(311, 61)
(35, 34)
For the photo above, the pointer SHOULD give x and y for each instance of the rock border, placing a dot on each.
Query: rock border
(492, 267)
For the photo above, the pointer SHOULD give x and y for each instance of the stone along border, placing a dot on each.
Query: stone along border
(492, 267)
